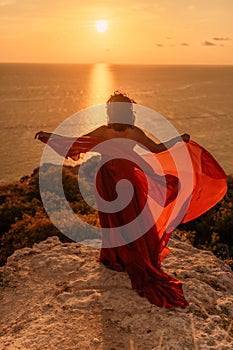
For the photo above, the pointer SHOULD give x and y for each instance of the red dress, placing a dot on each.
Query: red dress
(140, 255)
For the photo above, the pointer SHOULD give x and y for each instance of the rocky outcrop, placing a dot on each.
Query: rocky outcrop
(57, 296)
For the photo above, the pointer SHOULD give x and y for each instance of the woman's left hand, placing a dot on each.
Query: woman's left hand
(41, 134)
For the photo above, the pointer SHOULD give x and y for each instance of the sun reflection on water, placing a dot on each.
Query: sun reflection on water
(101, 83)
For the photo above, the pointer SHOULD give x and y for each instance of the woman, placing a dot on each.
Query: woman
(141, 255)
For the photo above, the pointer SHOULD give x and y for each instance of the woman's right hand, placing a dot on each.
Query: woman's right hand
(185, 137)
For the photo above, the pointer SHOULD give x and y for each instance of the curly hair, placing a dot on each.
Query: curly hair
(119, 96)
(120, 115)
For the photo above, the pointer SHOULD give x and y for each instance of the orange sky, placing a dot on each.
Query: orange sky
(139, 31)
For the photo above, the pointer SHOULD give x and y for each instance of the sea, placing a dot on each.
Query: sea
(196, 99)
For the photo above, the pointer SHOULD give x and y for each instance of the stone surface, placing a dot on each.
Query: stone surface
(57, 296)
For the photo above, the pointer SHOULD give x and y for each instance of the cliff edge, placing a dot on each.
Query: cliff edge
(57, 296)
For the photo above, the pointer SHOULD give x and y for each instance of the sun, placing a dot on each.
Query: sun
(101, 25)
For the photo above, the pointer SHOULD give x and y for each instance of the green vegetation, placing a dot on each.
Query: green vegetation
(23, 220)
(213, 230)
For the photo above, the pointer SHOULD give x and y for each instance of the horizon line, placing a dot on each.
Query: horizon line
(114, 63)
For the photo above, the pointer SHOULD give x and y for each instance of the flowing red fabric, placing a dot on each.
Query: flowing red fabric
(156, 180)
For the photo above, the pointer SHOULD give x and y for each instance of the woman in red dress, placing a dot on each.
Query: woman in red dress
(140, 255)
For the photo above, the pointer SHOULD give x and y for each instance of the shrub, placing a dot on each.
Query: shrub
(213, 230)
(23, 220)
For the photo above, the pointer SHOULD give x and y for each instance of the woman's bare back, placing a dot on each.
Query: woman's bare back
(138, 135)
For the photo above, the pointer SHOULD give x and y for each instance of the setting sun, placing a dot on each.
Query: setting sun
(101, 26)
(122, 32)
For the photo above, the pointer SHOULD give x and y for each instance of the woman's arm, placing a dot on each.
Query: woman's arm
(72, 147)
(42, 134)
(154, 147)
(64, 146)
(99, 131)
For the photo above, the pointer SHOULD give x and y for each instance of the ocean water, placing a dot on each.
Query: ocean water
(195, 99)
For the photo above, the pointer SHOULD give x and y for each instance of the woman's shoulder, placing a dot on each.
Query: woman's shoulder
(100, 131)
(136, 133)
(105, 131)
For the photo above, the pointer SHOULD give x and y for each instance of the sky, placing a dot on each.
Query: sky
(138, 31)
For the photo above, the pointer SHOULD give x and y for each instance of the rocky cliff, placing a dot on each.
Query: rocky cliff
(57, 296)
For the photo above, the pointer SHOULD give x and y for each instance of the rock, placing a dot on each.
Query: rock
(57, 296)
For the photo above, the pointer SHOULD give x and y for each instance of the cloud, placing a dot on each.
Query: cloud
(184, 44)
(219, 38)
(160, 45)
(208, 43)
